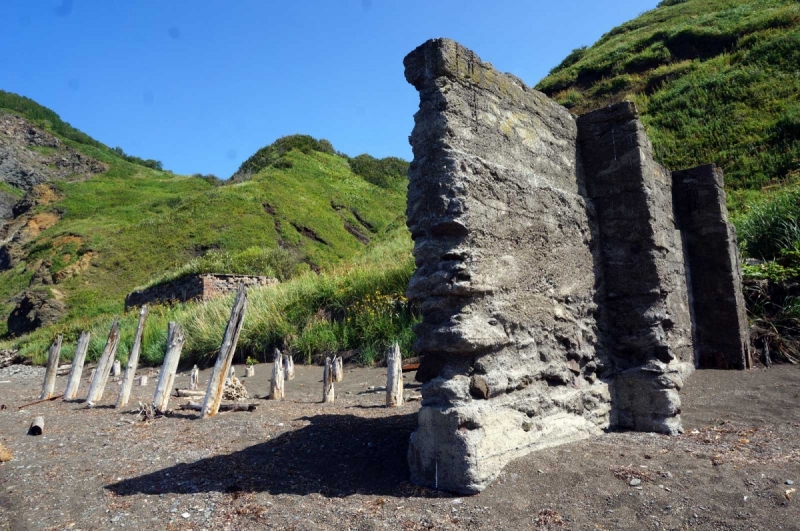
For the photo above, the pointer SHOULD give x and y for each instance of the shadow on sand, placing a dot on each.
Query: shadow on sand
(336, 455)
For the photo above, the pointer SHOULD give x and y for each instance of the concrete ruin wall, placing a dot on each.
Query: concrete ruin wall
(194, 288)
(550, 272)
(718, 309)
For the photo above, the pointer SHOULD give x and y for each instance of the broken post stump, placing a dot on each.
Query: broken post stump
(100, 375)
(37, 426)
(276, 391)
(216, 382)
(337, 369)
(394, 376)
(166, 378)
(288, 367)
(249, 371)
(236, 406)
(133, 361)
(328, 394)
(143, 380)
(49, 385)
(194, 377)
(188, 393)
(116, 369)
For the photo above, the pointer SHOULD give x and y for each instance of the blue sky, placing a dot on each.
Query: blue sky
(201, 85)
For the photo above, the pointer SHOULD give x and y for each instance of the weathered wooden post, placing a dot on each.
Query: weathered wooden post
(75, 373)
(166, 378)
(249, 371)
(133, 361)
(49, 384)
(288, 366)
(104, 365)
(337, 368)
(278, 372)
(116, 369)
(394, 377)
(216, 382)
(327, 382)
(143, 380)
(37, 426)
(194, 378)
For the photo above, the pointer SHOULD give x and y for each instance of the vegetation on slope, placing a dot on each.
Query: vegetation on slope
(358, 307)
(52, 122)
(714, 81)
(307, 209)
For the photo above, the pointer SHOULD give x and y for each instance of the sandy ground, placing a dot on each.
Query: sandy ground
(300, 465)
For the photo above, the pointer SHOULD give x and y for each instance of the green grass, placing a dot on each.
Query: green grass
(331, 228)
(359, 306)
(714, 81)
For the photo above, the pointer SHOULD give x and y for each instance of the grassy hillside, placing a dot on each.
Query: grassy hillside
(714, 81)
(357, 307)
(134, 225)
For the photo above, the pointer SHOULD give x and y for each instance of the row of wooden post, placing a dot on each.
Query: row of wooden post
(283, 367)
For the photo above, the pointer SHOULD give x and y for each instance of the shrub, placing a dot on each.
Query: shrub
(389, 172)
(271, 154)
(772, 228)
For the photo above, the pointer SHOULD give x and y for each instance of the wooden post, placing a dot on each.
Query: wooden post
(143, 380)
(288, 366)
(49, 385)
(276, 387)
(166, 378)
(394, 377)
(74, 380)
(337, 368)
(216, 383)
(104, 365)
(116, 369)
(37, 426)
(194, 378)
(249, 371)
(328, 394)
(133, 361)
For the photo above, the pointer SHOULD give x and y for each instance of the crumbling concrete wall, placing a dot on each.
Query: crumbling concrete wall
(644, 311)
(721, 339)
(194, 288)
(550, 272)
(506, 273)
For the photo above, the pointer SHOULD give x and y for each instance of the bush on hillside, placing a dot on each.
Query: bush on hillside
(388, 172)
(271, 154)
(771, 229)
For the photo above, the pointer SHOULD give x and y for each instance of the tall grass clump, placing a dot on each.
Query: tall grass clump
(772, 228)
(359, 308)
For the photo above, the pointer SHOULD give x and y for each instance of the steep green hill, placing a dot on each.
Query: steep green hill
(91, 240)
(714, 81)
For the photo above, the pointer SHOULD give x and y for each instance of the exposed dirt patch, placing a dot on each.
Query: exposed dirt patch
(37, 224)
(298, 464)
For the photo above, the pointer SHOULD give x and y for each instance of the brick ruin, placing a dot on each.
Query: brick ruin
(194, 288)
(568, 283)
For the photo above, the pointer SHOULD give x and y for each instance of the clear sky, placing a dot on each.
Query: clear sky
(200, 85)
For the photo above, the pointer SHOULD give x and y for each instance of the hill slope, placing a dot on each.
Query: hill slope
(714, 81)
(83, 239)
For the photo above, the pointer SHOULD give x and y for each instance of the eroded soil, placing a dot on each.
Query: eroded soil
(298, 464)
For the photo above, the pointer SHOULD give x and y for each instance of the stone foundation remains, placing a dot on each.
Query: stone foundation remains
(552, 272)
(194, 288)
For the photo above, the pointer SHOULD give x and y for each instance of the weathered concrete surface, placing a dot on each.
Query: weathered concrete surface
(550, 272)
(713, 262)
(505, 272)
(644, 313)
